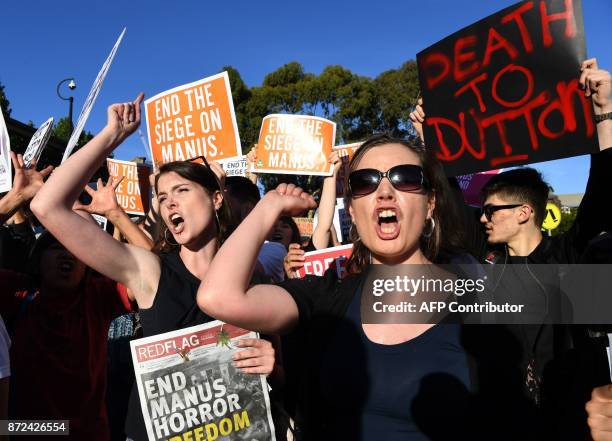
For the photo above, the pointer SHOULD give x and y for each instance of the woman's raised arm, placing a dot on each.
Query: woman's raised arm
(53, 207)
(224, 292)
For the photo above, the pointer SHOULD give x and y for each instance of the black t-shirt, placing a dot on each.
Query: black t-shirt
(356, 389)
(174, 307)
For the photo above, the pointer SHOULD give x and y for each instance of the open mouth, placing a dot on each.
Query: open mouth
(177, 222)
(387, 225)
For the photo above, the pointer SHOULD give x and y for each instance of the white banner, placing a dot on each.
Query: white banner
(38, 143)
(91, 99)
(6, 180)
(234, 166)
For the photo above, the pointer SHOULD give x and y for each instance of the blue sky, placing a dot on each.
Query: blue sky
(172, 43)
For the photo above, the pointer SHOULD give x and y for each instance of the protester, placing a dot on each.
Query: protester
(164, 286)
(16, 235)
(353, 389)
(546, 359)
(59, 317)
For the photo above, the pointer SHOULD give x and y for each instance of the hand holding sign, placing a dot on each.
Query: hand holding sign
(123, 119)
(599, 411)
(291, 200)
(257, 359)
(103, 199)
(27, 181)
(294, 260)
(596, 83)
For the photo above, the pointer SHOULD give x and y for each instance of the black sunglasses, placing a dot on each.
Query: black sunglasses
(203, 158)
(489, 209)
(405, 177)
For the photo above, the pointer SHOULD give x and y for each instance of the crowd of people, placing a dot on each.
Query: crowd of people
(211, 248)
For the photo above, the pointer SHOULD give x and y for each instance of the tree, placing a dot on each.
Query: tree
(61, 130)
(5, 105)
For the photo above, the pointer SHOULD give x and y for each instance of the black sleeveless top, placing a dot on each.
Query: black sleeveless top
(174, 307)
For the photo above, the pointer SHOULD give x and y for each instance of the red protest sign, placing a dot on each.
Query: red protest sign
(317, 262)
(505, 91)
(133, 191)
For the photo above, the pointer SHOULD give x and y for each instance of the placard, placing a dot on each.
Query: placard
(6, 167)
(195, 119)
(295, 144)
(133, 191)
(317, 262)
(91, 99)
(504, 91)
(38, 143)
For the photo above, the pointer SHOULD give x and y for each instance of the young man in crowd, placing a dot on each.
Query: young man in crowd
(541, 358)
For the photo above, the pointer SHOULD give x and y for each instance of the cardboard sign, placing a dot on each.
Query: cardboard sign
(133, 191)
(295, 145)
(38, 143)
(235, 166)
(6, 167)
(472, 184)
(346, 153)
(505, 91)
(100, 220)
(317, 262)
(306, 227)
(91, 99)
(196, 119)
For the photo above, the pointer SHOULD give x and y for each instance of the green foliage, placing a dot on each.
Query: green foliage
(62, 131)
(359, 105)
(567, 220)
(5, 104)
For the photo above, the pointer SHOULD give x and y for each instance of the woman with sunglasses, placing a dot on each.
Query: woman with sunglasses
(360, 381)
(163, 285)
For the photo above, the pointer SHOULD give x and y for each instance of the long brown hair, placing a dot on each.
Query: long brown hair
(445, 236)
(206, 178)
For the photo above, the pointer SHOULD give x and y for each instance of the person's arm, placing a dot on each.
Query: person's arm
(417, 116)
(224, 293)
(134, 267)
(327, 204)
(251, 158)
(599, 411)
(104, 203)
(593, 215)
(597, 85)
(26, 183)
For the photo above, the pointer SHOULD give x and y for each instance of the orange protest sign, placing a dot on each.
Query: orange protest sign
(305, 225)
(346, 153)
(133, 191)
(196, 119)
(347, 150)
(295, 144)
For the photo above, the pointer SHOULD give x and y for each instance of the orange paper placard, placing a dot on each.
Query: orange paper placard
(346, 153)
(305, 225)
(196, 119)
(295, 144)
(133, 191)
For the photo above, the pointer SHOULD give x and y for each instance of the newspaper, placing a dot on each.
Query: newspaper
(190, 389)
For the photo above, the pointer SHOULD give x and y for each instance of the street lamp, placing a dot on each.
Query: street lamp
(71, 86)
